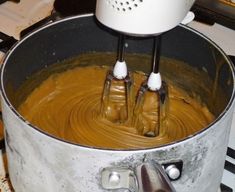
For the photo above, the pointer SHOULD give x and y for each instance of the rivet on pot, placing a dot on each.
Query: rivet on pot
(118, 178)
(114, 178)
(173, 172)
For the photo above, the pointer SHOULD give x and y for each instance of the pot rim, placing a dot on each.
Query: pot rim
(5, 98)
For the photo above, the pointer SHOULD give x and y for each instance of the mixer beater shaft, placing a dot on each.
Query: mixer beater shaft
(152, 100)
(116, 103)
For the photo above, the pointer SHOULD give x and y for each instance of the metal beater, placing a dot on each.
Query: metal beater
(116, 104)
(153, 89)
(140, 18)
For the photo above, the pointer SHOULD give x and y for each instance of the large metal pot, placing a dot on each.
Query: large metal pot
(40, 162)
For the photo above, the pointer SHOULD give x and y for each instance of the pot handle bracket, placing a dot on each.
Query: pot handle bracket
(149, 176)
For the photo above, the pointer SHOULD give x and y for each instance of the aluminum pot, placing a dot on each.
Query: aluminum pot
(40, 162)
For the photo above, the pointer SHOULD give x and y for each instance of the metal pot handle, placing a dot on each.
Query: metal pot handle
(151, 177)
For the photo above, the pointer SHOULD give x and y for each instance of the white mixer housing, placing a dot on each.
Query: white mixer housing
(142, 17)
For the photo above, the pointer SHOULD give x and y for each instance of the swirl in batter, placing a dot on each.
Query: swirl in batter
(67, 105)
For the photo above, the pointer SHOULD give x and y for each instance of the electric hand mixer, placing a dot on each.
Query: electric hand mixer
(140, 18)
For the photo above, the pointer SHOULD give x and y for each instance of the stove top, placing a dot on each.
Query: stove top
(216, 11)
(15, 17)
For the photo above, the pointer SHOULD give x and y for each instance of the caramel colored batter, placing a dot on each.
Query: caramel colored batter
(67, 105)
